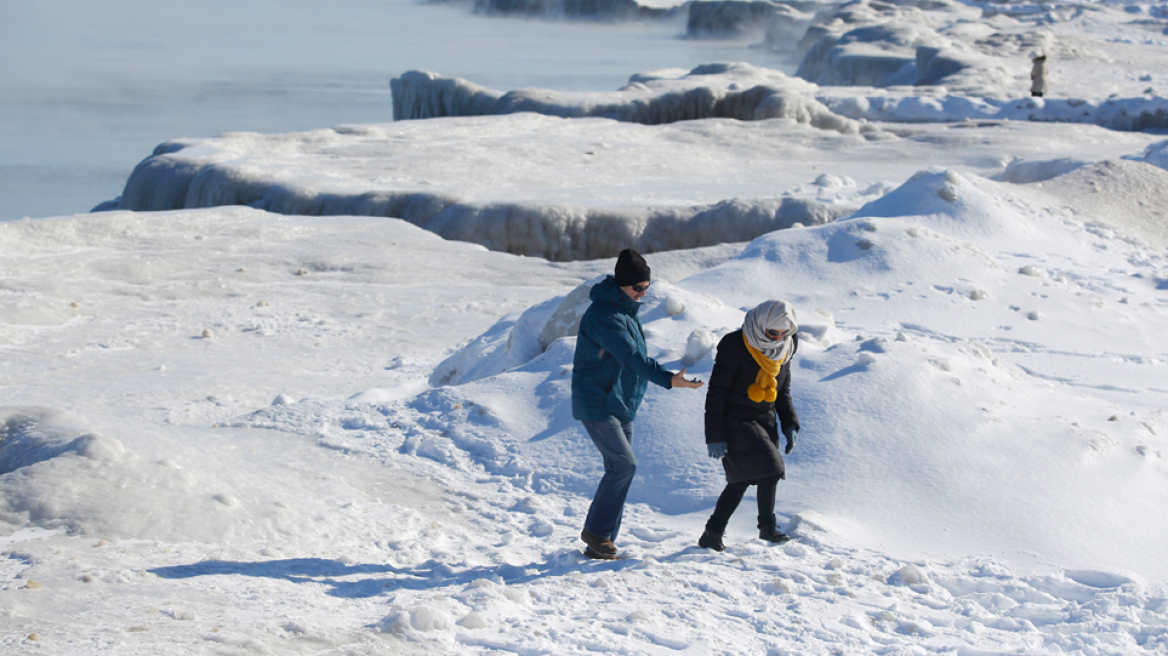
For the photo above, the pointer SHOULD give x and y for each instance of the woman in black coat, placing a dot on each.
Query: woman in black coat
(748, 402)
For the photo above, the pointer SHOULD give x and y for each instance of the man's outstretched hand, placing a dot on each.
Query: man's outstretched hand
(679, 380)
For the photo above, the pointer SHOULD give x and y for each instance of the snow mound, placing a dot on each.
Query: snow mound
(226, 488)
(1022, 171)
(32, 435)
(1156, 155)
(956, 205)
(519, 338)
(1122, 195)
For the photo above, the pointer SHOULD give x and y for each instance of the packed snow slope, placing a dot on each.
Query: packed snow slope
(220, 436)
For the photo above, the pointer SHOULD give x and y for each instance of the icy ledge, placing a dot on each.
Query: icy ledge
(736, 91)
(556, 232)
(526, 184)
(749, 93)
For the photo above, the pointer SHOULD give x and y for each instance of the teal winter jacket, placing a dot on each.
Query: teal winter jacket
(611, 369)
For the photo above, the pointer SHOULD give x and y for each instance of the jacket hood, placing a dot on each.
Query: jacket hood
(607, 291)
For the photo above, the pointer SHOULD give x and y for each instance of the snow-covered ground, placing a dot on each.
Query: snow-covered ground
(219, 436)
(247, 430)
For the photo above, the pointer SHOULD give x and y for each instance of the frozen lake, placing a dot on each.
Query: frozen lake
(88, 91)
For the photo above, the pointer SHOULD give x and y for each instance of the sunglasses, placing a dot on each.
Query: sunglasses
(640, 288)
(777, 334)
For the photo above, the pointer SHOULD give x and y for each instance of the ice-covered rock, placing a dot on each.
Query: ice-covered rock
(780, 23)
(872, 43)
(737, 91)
(279, 173)
(877, 55)
(1127, 114)
(600, 10)
(423, 94)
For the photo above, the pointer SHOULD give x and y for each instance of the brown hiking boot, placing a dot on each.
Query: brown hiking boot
(602, 547)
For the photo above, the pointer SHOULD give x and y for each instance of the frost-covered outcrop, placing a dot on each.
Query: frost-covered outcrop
(1128, 114)
(552, 231)
(749, 93)
(522, 183)
(418, 94)
(601, 10)
(737, 91)
(872, 43)
(781, 23)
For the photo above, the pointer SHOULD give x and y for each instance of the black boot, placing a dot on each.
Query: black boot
(768, 532)
(711, 541)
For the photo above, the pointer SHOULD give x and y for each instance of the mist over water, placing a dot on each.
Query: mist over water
(87, 90)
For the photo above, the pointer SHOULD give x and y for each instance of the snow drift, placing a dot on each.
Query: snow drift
(90, 484)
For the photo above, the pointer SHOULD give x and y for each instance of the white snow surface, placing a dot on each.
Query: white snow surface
(259, 430)
(220, 437)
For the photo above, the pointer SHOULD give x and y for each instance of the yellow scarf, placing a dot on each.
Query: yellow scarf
(764, 387)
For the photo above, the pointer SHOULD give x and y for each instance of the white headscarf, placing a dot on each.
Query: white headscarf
(772, 315)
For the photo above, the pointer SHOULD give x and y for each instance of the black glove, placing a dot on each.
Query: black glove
(792, 436)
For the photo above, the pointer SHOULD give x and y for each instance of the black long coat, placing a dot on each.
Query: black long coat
(749, 429)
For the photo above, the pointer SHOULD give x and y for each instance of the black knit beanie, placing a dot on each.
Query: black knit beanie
(631, 268)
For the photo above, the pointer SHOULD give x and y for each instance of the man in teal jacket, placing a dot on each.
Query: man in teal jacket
(610, 374)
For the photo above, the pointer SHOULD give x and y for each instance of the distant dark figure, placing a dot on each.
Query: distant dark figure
(1038, 77)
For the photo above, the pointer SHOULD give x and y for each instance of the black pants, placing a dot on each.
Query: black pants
(732, 496)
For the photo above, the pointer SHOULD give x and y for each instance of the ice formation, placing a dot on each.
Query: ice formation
(737, 91)
(778, 23)
(600, 10)
(745, 92)
(666, 195)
